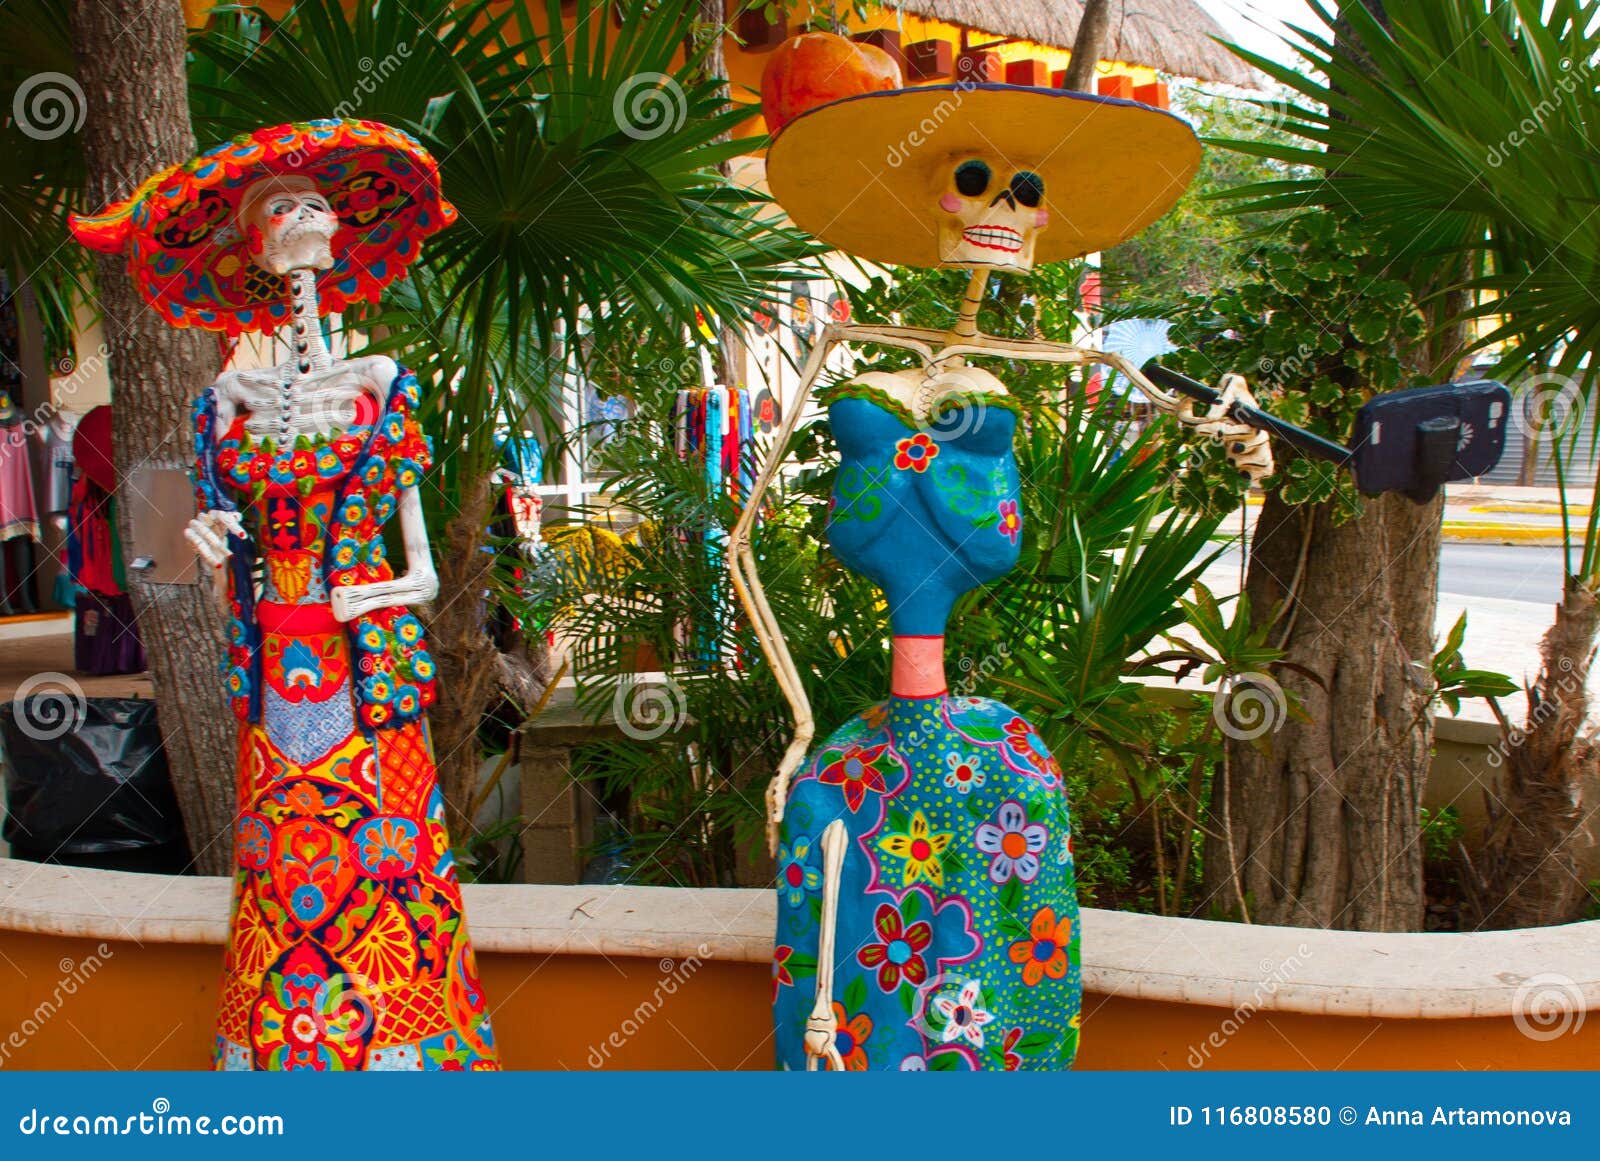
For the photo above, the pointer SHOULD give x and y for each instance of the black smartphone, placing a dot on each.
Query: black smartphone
(1417, 440)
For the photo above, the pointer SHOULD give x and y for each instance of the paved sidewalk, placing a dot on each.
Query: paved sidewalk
(1496, 514)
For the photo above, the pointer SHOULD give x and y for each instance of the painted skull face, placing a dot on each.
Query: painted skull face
(990, 213)
(289, 225)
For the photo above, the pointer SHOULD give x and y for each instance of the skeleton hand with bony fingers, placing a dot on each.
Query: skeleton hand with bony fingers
(208, 533)
(1248, 449)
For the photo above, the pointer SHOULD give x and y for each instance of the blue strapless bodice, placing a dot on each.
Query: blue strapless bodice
(928, 513)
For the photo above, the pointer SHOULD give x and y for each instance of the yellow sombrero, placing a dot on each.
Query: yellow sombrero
(863, 173)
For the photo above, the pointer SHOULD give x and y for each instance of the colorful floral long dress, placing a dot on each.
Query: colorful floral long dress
(956, 944)
(347, 945)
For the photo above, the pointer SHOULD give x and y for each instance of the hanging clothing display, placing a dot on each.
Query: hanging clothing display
(19, 512)
(105, 637)
(58, 433)
(716, 426)
(719, 425)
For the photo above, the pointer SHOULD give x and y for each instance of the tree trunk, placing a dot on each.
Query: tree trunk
(465, 653)
(131, 67)
(1093, 30)
(1529, 871)
(1318, 824)
(1323, 815)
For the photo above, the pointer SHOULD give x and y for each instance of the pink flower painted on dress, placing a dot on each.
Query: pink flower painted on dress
(1010, 524)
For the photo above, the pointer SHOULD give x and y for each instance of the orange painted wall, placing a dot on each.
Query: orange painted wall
(152, 1007)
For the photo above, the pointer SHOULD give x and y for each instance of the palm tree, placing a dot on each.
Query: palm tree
(41, 162)
(583, 156)
(1461, 132)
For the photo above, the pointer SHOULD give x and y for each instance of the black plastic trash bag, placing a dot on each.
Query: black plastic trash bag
(87, 784)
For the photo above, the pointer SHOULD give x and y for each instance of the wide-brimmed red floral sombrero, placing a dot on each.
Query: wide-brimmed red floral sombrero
(190, 259)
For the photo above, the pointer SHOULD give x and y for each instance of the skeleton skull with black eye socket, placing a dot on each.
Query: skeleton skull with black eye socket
(990, 213)
(289, 225)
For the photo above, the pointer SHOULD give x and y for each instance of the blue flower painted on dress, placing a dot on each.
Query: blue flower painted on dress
(346, 553)
(407, 473)
(408, 700)
(797, 877)
(301, 666)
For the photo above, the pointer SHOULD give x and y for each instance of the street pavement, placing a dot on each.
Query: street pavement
(1500, 563)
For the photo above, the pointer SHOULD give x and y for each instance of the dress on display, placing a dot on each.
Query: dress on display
(19, 511)
(347, 946)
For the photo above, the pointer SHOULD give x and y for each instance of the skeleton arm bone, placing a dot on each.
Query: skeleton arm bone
(822, 1026)
(208, 532)
(1248, 448)
(747, 580)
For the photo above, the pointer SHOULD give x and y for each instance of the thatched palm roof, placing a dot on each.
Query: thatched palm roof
(1171, 35)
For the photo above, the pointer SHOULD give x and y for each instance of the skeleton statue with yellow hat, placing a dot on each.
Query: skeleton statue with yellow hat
(927, 914)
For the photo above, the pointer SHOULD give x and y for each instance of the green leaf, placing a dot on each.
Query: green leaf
(1036, 1043)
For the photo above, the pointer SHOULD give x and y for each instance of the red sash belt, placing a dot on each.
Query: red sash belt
(296, 620)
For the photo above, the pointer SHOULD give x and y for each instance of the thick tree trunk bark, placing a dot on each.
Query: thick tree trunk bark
(131, 66)
(1323, 814)
(466, 655)
(1090, 43)
(1529, 873)
(1318, 824)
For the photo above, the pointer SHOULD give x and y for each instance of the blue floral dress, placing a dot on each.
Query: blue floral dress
(957, 933)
